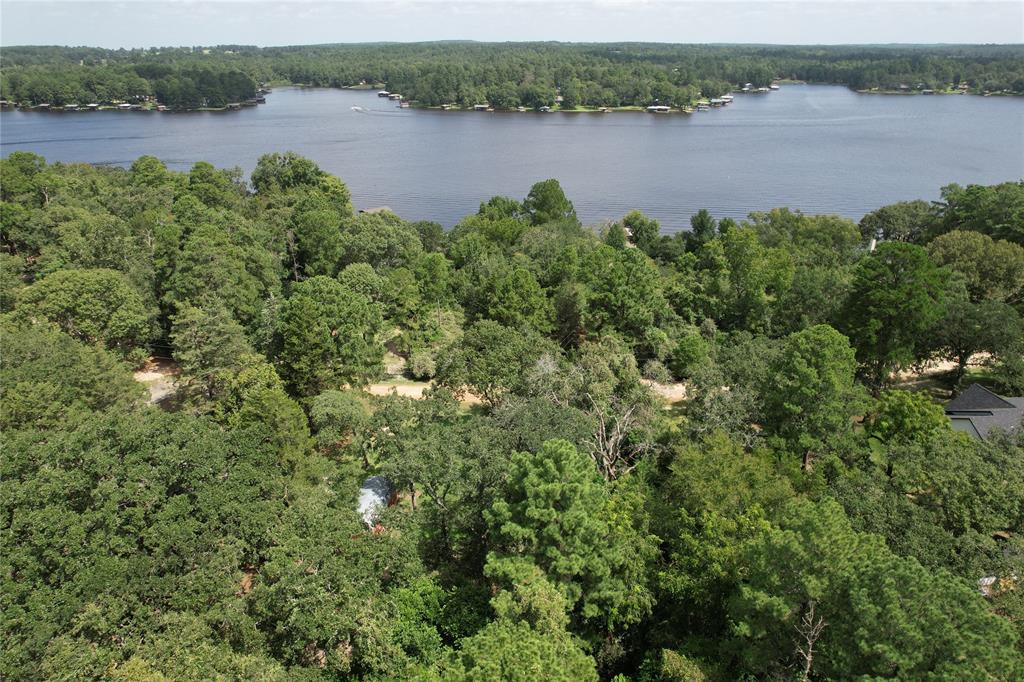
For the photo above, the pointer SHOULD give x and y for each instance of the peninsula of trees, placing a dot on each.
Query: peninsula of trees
(505, 75)
(630, 456)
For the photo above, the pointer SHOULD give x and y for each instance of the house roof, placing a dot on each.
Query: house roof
(978, 410)
(976, 398)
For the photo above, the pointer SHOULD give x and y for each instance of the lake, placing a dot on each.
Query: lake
(822, 149)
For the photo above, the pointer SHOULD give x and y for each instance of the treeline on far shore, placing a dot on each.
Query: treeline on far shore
(505, 75)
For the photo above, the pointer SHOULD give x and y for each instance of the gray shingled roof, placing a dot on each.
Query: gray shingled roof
(978, 410)
(977, 397)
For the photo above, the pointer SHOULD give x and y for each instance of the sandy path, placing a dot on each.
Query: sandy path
(414, 390)
(160, 377)
(671, 393)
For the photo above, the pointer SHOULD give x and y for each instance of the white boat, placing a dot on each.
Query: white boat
(659, 109)
(773, 86)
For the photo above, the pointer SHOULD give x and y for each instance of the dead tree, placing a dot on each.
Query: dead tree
(809, 629)
(608, 447)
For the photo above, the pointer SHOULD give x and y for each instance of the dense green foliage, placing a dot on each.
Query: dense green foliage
(798, 514)
(507, 75)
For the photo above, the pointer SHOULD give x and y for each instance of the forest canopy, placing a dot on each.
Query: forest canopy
(629, 455)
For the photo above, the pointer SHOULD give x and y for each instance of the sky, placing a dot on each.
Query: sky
(144, 23)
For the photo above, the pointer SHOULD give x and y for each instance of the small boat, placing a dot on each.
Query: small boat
(546, 110)
(773, 86)
(521, 109)
(383, 93)
(394, 96)
(659, 109)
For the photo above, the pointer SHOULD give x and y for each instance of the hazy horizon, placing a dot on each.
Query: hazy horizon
(137, 24)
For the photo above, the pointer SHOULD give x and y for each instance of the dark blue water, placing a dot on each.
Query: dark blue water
(821, 149)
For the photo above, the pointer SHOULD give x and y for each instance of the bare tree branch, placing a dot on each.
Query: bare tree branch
(810, 629)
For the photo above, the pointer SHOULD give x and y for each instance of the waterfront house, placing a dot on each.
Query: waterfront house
(978, 410)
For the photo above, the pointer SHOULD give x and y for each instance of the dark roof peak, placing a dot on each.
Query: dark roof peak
(977, 398)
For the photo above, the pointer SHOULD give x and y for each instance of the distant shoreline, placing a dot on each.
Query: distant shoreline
(633, 108)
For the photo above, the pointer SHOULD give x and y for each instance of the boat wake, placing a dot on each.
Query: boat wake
(358, 109)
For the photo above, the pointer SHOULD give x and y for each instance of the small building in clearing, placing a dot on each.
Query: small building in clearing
(375, 495)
